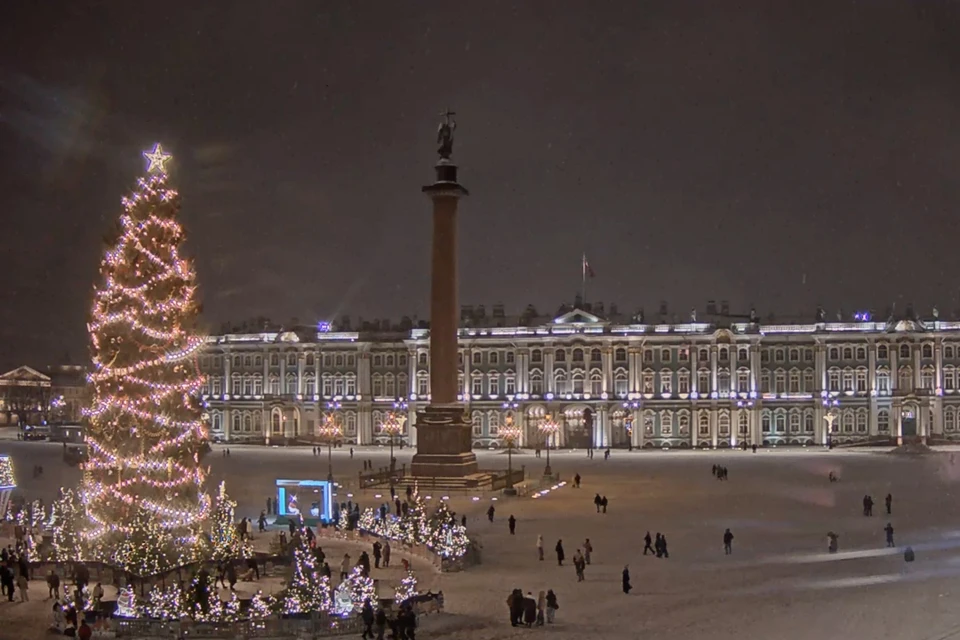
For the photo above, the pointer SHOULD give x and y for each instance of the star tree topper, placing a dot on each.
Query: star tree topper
(156, 159)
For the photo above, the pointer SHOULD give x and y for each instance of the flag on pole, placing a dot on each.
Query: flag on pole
(587, 269)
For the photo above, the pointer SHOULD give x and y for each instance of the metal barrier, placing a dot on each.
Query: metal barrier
(315, 626)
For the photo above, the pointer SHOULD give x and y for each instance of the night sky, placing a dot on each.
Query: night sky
(768, 155)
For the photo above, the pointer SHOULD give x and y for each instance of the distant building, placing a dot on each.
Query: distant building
(608, 379)
(37, 397)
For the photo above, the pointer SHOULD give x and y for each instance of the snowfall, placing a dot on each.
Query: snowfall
(778, 583)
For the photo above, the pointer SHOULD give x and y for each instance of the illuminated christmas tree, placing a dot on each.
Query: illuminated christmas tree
(406, 589)
(261, 606)
(67, 521)
(447, 537)
(224, 537)
(361, 588)
(146, 432)
(306, 590)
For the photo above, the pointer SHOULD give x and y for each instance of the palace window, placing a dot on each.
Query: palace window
(834, 353)
(620, 383)
(666, 424)
(620, 355)
(881, 352)
(477, 420)
(577, 380)
(666, 382)
(683, 354)
(723, 355)
(510, 357)
(808, 422)
(494, 357)
(780, 380)
(215, 386)
(704, 420)
(596, 383)
(848, 380)
(861, 353)
(765, 422)
(560, 382)
(258, 385)
(778, 355)
(647, 356)
(423, 385)
(377, 386)
(808, 386)
(743, 381)
(703, 381)
(764, 381)
(476, 385)
(578, 355)
(560, 355)
(510, 385)
(536, 355)
(847, 354)
(476, 357)
(648, 382)
(743, 354)
(422, 358)
(664, 355)
(883, 421)
(949, 378)
(743, 424)
(683, 382)
(794, 381)
(926, 378)
(794, 355)
(389, 360)
(536, 383)
(949, 419)
(905, 379)
(794, 422)
(904, 351)
(883, 381)
(927, 351)
(861, 380)
(833, 379)
(390, 386)
(948, 351)
(494, 384)
(780, 423)
(862, 421)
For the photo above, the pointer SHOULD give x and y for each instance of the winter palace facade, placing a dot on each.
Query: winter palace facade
(724, 381)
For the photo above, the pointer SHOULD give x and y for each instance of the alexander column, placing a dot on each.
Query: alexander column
(443, 433)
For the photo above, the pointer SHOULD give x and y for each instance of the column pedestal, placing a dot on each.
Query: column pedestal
(443, 443)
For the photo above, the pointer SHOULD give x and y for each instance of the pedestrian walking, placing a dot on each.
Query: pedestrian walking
(386, 553)
(345, 566)
(646, 544)
(490, 513)
(366, 614)
(22, 587)
(576, 481)
(603, 503)
(377, 554)
(540, 547)
(626, 579)
(889, 503)
(587, 550)
(888, 530)
(512, 522)
(559, 550)
(597, 501)
(727, 542)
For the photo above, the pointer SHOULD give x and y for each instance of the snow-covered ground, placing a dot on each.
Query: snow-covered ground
(779, 582)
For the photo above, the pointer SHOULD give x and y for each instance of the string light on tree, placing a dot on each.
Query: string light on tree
(406, 589)
(224, 537)
(146, 431)
(306, 591)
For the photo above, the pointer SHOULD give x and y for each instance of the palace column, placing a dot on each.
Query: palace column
(443, 434)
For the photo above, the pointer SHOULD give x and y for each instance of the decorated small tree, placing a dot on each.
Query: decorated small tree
(361, 588)
(143, 551)
(414, 526)
(406, 589)
(165, 604)
(447, 537)
(261, 606)
(306, 590)
(224, 538)
(67, 521)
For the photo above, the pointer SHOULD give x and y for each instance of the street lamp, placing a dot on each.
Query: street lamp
(744, 404)
(631, 406)
(548, 427)
(393, 426)
(510, 431)
(330, 429)
(830, 417)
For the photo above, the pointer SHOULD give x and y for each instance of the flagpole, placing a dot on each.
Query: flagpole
(583, 279)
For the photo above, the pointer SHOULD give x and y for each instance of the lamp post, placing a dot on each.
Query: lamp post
(330, 429)
(744, 404)
(393, 426)
(631, 406)
(509, 431)
(548, 427)
(830, 417)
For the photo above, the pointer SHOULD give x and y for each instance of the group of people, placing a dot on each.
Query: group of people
(868, 504)
(719, 472)
(600, 502)
(527, 611)
(403, 626)
(656, 546)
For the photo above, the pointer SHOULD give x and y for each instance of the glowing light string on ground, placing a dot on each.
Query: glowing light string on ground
(143, 482)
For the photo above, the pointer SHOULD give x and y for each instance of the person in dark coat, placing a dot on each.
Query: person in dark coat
(889, 531)
(559, 550)
(377, 554)
(727, 542)
(889, 502)
(381, 621)
(364, 561)
(366, 614)
(513, 524)
(646, 544)
(626, 579)
(603, 503)
(529, 610)
(490, 513)
(597, 501)
(515, 605)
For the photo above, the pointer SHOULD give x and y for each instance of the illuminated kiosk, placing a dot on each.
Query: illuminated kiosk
(311, 500)
(7, 482)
